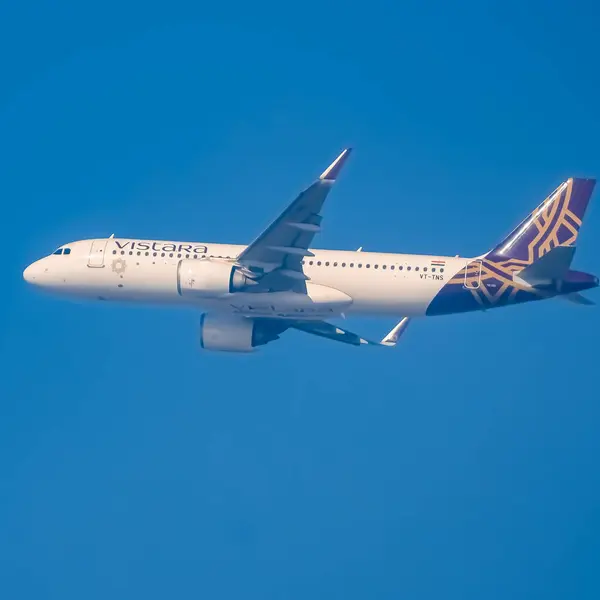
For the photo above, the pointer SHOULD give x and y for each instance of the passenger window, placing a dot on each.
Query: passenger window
(392, 267)
(335, 264)
(384, 267)
(360, 265)
(114, 251)
(400, 268)
(433, 269)
(441, 270)
(351, 264)
(327, 264)
(408, 268)
(310, 262)
(424, 268)
(368, 266)
(343, 264)
(318, 263)
(416, 268)
(376, 267)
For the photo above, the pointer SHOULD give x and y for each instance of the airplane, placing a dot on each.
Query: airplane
(251, 294)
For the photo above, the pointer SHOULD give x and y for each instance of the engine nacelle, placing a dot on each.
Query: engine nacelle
(231, 333)
(209, 279)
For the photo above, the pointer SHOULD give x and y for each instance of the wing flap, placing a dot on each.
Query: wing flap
(327, 330)
(333, 332)
(291, 250)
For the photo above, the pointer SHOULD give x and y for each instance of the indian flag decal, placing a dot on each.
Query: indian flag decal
(438, 263)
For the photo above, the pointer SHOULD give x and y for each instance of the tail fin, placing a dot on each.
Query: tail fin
(555, 222)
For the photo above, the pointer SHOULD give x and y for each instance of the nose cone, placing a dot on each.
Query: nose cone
(32, 273)
(27, 274)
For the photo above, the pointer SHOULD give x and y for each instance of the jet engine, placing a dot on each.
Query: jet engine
(232, 333)
(210, 279)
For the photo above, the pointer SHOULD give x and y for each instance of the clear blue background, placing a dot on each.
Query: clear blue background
(464, 464)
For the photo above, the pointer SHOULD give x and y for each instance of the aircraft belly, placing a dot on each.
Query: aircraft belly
(385, 293)
(319, 302)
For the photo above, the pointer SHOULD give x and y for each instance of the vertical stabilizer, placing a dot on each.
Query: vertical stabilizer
(555, 222)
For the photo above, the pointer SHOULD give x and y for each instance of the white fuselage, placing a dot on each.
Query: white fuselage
(147, 271)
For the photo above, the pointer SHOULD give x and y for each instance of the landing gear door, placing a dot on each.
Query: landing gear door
(97, 251)
(473, 275)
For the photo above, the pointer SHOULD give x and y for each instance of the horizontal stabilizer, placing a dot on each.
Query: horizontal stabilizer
(577, 299)
(552, 266)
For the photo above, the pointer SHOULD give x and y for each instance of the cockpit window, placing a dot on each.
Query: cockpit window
(62, 251)
(67, 251)
(59, 251)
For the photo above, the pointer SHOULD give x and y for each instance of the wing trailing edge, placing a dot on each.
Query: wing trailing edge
(333, 332)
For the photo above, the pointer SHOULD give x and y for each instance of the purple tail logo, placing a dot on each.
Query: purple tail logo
(490, 281)
(555, 222)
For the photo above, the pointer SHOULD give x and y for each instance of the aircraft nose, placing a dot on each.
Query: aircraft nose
(32, 273)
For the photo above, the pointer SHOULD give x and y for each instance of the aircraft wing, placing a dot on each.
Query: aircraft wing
(332, 332)
(275, 257)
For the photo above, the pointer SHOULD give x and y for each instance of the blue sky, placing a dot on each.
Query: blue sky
(461, 465)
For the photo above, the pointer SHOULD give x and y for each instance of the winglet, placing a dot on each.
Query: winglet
(333, 170)
(391, 339)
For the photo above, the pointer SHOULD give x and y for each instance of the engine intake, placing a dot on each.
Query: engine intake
(210, 279)
(231, 333)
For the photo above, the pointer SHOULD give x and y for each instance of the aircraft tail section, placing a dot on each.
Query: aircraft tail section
(553, 266)
(552, 273)
(554, 223)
